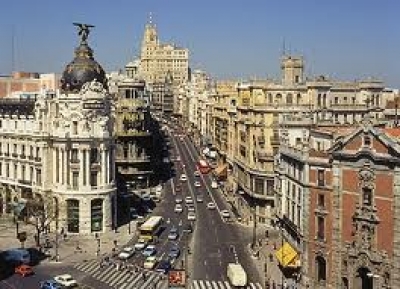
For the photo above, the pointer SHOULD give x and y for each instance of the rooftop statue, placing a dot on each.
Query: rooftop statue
(84, 30)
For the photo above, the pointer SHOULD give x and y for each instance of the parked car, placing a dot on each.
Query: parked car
(150, 262)
(211, 206)
(163, 266)
(149, 251)
(66, 280)
(189, 200)
(178, 208)
(141, 244)
(191, 216)
(50, 284)
(173, 234)
(187, 228)
(126, 253)
(174, 252)
(24, 270)
(225, 214)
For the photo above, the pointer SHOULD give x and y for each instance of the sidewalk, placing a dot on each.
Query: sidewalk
(74, 248)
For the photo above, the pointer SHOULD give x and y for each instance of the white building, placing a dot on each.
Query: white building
(57, 151)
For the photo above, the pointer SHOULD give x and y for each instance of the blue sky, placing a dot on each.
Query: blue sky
(344, 39)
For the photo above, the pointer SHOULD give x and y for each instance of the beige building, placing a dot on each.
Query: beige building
(249, 118)
(157, 59)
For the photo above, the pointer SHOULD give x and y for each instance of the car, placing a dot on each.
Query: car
(191, 208)
(126, 253)
(187, 228)
(197, 184)
(189, 200)
(174, 252)
(149, 251)
(196, 173)
(178, 200)
(146, 197)
(164, 266)
(141, 244)
(150, 262)
(147, 209)
(199, 199)
(183, 178)
(178, 158)
(225, 214)
(66, 280)
(191, 216)
(50, 284)
(173, 234)
(134, 213)
(211, 206)
(214, 185)
(178, 208)
(24, 270)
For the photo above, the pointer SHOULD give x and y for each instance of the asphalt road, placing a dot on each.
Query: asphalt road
(216, 241)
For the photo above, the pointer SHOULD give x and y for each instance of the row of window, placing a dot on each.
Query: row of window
(19, 149)
(19, 172)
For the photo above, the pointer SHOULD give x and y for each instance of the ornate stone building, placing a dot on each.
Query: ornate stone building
(57, 151)
(158, 59)
(345, 235)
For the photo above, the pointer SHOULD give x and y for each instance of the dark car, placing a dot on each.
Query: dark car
(187, 228)
(163, 266)
(50, 284)
(174, 252)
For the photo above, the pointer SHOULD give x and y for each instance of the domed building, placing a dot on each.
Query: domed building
(56, 151)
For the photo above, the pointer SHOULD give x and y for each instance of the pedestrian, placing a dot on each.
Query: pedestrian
(144, 276)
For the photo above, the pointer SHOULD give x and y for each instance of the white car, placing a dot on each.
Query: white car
(214, 185)
(211, 206)
(126, 253)
(178, 200)
(188, 200)
(197, 184)
(150, 262)
(191, 208)
(196, 173)
(191, 216)
(178, 208)
(225, 214)
(66, 280)
(183, 178)
(141, 244)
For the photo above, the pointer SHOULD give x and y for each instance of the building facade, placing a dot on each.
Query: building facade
(158, 59)
(338, 207)
(57, 151)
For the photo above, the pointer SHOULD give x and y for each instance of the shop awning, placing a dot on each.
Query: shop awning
(288, 256)
(221, 171)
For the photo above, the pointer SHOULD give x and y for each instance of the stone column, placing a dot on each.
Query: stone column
(103, 180)
(87, 164)
(82, 181)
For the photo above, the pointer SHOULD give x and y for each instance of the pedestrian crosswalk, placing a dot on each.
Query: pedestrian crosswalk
(123, 278)
(208, 284)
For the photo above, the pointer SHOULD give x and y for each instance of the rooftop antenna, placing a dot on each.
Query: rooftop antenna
(283, 48)
(151, 18)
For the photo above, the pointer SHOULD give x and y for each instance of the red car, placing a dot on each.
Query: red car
(24, 270)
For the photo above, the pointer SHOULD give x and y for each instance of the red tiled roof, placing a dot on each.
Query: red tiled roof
(393, 132)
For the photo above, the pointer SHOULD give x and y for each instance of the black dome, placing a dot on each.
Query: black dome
(81, 70)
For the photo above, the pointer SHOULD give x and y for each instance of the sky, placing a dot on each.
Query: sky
(235, 39)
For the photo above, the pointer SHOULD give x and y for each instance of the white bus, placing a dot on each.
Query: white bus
(151, 228)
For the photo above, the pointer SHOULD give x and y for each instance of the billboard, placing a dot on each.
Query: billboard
(176, 279)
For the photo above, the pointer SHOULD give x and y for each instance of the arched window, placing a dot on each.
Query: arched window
(96, 215)
(320, 265)
(73, 216)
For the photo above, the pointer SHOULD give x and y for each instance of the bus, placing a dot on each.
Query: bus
(203, 167)
(151, 228)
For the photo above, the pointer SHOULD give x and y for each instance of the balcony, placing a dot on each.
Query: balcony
(348, 107)
(133, 133)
